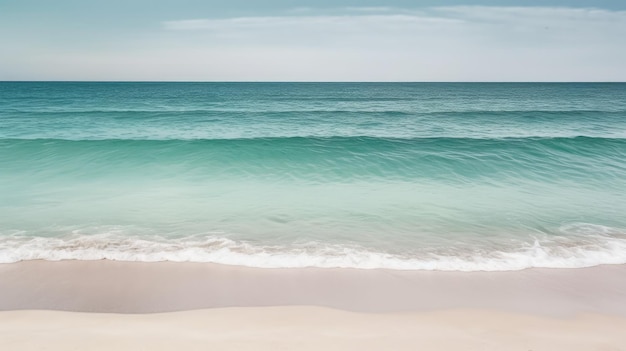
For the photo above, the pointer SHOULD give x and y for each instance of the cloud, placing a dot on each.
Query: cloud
(522, 27)
(450, 14)
(440, 43)
(459, 43)
(337, 24)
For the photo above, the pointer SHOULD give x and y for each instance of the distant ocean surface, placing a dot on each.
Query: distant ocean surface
(442, 176)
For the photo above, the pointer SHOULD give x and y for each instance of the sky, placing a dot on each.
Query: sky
(323, 40)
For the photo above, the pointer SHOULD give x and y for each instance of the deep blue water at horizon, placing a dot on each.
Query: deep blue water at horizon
(444, 176)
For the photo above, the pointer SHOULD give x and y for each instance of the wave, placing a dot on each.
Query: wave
(582, 245)
(221, 128)
(268, 111)
(332, 138)
(335, 158)
(373, 147)
(242, 121)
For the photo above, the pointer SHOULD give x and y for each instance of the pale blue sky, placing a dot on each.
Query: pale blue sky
(340, 40)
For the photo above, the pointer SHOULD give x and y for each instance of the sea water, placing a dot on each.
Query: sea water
(441, 176)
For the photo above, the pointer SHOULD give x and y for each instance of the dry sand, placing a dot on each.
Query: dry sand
(307, 328)
(220, 307)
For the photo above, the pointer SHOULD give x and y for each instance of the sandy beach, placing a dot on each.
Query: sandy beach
(307, 328)
(164, 306)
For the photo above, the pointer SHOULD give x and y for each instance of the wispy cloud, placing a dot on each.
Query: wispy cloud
(439, 28)
(298, 22)
(449, 14)
(364, 16)
(527, 24)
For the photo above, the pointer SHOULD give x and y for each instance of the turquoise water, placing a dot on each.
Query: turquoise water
(447, 176)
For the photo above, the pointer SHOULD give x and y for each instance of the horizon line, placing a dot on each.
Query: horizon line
(299, 81)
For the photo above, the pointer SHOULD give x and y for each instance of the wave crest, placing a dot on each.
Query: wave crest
(582, 245)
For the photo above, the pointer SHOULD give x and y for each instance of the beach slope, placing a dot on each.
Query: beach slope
(307, 328)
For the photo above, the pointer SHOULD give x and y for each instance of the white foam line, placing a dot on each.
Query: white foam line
(600, 247)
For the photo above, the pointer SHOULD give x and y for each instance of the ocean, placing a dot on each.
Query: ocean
(410, 176)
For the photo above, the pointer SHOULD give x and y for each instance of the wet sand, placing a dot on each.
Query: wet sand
(239, 308)
(134, 287)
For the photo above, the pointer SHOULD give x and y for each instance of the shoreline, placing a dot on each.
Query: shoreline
(137, 287)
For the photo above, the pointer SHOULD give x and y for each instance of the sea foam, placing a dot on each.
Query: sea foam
(600, 245)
